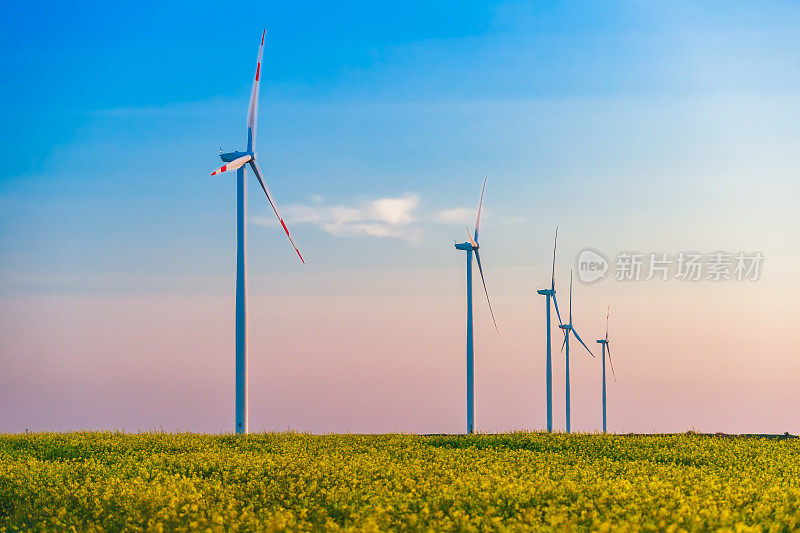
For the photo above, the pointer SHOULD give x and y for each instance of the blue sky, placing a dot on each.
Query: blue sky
(363, 101)
(634, 126)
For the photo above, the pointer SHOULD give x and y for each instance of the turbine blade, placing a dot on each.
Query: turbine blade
(480, 206)
(564, 342)
(471, 240)
(257, 172)
(233, 165)
(608, 349)
(480, 269)
(558, 313)
(574, 331)
(608, 312)
(570, 297)
(553, 277)
(252, 110)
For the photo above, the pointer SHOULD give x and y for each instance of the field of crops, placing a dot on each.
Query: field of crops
(155, 482)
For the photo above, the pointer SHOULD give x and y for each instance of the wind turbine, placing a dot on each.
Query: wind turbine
(236, 161)
(606, 348)
(551, 293)
(569, 328)
(470, 247)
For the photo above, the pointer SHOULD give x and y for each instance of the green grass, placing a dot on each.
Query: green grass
(520, 481)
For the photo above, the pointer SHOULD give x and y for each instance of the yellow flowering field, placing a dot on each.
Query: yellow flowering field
(518, 481)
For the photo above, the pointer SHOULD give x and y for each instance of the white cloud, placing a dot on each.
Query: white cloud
(383, 217)
(464, 216)
(455, 215)
(395, 211)
(389, 217)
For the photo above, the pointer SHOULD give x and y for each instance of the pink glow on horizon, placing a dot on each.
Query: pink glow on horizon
(377, 363)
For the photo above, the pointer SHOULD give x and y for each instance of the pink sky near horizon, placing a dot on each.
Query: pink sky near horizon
(685, 354)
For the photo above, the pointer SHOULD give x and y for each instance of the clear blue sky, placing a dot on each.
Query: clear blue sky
(652, 126)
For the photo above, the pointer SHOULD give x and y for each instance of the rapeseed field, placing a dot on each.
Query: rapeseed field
(295, 482)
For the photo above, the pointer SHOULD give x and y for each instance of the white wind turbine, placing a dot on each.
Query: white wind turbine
(237, 161)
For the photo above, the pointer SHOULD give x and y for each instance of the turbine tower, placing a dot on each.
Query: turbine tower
(469, 247)
(569, 328)
(550, 294)
(236, 161)
(606, 348)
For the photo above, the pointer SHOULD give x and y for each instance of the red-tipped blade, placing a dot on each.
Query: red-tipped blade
(252, 110)
(292, 241)
(257, 172)
(233, 165)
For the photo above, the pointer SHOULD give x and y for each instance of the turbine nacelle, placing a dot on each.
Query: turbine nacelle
(230, 156)
(466, 246)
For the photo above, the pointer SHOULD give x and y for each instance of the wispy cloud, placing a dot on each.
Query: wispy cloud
(455, 215)
(394, 217)
(391, 217)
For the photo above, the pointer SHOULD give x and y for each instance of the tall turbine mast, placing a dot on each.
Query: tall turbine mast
(237, 161)
(550, 294)
(606, 348)
(570, 329)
